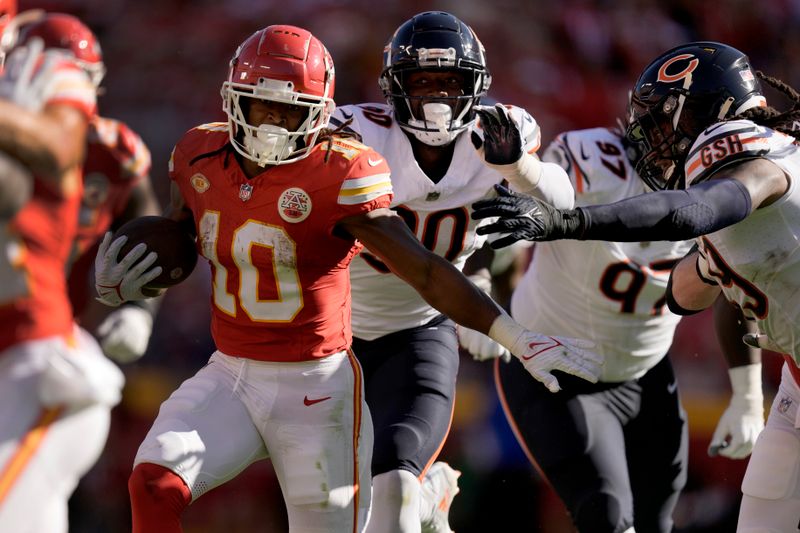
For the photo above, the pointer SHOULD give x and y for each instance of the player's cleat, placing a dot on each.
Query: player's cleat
(439, 488)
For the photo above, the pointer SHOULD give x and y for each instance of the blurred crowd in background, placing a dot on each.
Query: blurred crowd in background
(569, 63)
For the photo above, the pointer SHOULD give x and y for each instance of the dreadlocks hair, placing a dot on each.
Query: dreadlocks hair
(343, 131)
(787, 122)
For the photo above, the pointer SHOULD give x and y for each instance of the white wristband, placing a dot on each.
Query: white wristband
(523, 175)
(506, 331)
(746, 380)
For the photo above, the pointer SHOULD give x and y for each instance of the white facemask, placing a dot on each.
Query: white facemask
(437, 115)
(269, 144)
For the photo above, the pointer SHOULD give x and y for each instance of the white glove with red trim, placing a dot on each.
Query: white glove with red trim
(122, 281)
(541, 354)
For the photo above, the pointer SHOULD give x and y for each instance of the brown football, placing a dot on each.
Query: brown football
(175, 247)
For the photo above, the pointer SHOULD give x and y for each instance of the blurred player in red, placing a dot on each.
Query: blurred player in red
(57, 388)
(8, 10)
(116, 189)
(280, 206)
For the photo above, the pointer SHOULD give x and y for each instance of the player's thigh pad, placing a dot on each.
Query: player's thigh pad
(772, 473)
(321, 449)
(204, 432)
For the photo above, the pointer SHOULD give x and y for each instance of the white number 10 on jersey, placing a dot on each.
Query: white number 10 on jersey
(284, 269)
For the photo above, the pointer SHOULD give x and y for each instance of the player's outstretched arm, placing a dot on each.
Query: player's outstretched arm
(449, 291)
(657, 216)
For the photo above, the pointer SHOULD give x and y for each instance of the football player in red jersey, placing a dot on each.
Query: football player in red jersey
(116, 189)
(8, 10)
(56, 386)
(280, 206)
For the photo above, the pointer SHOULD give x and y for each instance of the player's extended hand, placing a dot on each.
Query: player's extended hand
(502, 140)
(121, 281)
(737, 429)
(743, 420)
(28, 75)
(481, 346)
(79, 377)
(524, 217)
(541, 354)
(125, 333)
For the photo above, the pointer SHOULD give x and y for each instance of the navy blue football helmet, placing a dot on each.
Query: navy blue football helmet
(434, 40)
(681, 93)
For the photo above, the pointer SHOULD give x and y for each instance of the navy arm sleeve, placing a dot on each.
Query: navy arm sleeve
(669, 215)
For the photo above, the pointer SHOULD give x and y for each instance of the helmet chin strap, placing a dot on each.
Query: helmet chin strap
(270, 144)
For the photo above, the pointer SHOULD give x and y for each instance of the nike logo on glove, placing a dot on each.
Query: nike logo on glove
(306, 400)
(545, 346)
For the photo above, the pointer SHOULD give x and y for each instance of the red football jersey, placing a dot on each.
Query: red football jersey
(281, 289)
(116, 161)
(35, 244)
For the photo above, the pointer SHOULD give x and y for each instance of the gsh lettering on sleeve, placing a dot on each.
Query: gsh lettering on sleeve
(720, 149)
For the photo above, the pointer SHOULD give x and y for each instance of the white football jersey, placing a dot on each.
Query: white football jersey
(612, 293)
(757, 261)
(437, 213)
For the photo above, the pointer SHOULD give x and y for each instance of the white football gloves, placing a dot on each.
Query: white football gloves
(122, 281)
(80, 377)
(476, 343)
(125, 333)
(28, 79)
(541, 354)
(743, 420)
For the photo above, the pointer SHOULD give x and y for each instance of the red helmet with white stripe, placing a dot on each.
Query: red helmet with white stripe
(284, 64)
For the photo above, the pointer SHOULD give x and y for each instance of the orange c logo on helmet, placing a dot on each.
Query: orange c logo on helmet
(669, 78)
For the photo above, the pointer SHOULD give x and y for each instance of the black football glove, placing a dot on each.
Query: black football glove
(526, 218)
(502, 143)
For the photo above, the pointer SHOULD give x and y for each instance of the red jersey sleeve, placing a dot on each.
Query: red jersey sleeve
(368, 185)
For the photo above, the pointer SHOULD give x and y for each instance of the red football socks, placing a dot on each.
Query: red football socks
(158, 498)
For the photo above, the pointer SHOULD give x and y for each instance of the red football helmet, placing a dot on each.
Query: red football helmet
(66, 32)
(282, 64)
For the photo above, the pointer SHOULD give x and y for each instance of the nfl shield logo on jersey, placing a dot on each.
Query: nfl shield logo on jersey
(245, 192)
(784, 404)
(294, 205)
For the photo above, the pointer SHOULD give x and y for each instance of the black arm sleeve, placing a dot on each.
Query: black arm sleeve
(669, 215)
